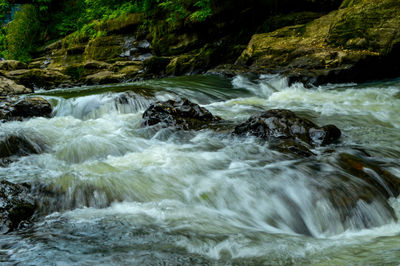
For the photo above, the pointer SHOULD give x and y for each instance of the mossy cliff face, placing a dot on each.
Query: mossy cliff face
(358, 42)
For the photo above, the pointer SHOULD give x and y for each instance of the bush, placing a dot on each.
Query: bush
(22, 33)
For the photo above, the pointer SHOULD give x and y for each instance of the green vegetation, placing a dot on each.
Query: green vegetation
(37, 22)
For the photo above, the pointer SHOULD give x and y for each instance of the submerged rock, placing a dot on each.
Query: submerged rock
(292, 147)
(14, 108)
(16, 206)
(284, 124)
(371, 173)
(180, 114)
(13, 146)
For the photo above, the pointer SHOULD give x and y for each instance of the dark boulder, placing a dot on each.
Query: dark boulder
(180, 114)
(14, 108)
(13, 146)
(18, 146)
(32, 107)
(16, 206)
(284, 124)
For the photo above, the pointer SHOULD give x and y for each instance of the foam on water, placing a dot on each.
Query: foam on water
(206, 195)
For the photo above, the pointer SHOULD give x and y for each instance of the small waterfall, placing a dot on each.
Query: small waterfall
(96, 106)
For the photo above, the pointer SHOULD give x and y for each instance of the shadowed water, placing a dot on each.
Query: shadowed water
(136, 195)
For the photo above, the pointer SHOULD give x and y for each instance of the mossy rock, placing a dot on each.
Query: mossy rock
(124, 24)
(156, 64)
(106, 48)
(10, 65)
(42, 78)
(175, 44)
(358, 43)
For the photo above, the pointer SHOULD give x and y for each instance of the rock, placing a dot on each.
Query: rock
(371, 173)
(10, 65)
(284, 124)
(229, 70)
(16, 206)
(95, 65)
(156, 65)
(197, 61)
(346, 195)
(104, 77)
(14, 108)
(42, 78)
(181, 114)
(13, 146)
(290, 146)
(357, 43)
(105, 48)
(9, 87)
(32, 107)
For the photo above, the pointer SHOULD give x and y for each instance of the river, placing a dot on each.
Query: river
(139, 196)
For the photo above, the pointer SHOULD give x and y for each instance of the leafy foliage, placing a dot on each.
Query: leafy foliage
(41, 21)
(22, 33)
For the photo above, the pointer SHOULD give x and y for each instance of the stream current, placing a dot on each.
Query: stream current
(139, 196)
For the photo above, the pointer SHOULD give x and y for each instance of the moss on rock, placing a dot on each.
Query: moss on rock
(355, 43)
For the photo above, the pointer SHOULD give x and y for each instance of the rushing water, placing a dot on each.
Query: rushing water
(137, 196)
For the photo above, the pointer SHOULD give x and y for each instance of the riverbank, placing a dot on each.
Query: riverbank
(356, 43)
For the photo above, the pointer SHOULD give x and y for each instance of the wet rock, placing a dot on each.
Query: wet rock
(371, 173)
(180, 114)
(12, 147)
(17, 146)
(32, 107)
(350, 197)
(14, 108)
(16, 206)
(284, 124)
(292, 147)
(9, 87)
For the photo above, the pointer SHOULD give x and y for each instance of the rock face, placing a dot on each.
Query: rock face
(14, 108)
(10, 65)
(9, 87)
(284, 124)
(16, 206)
(358, 42)
(41, 78)
(181, 114)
